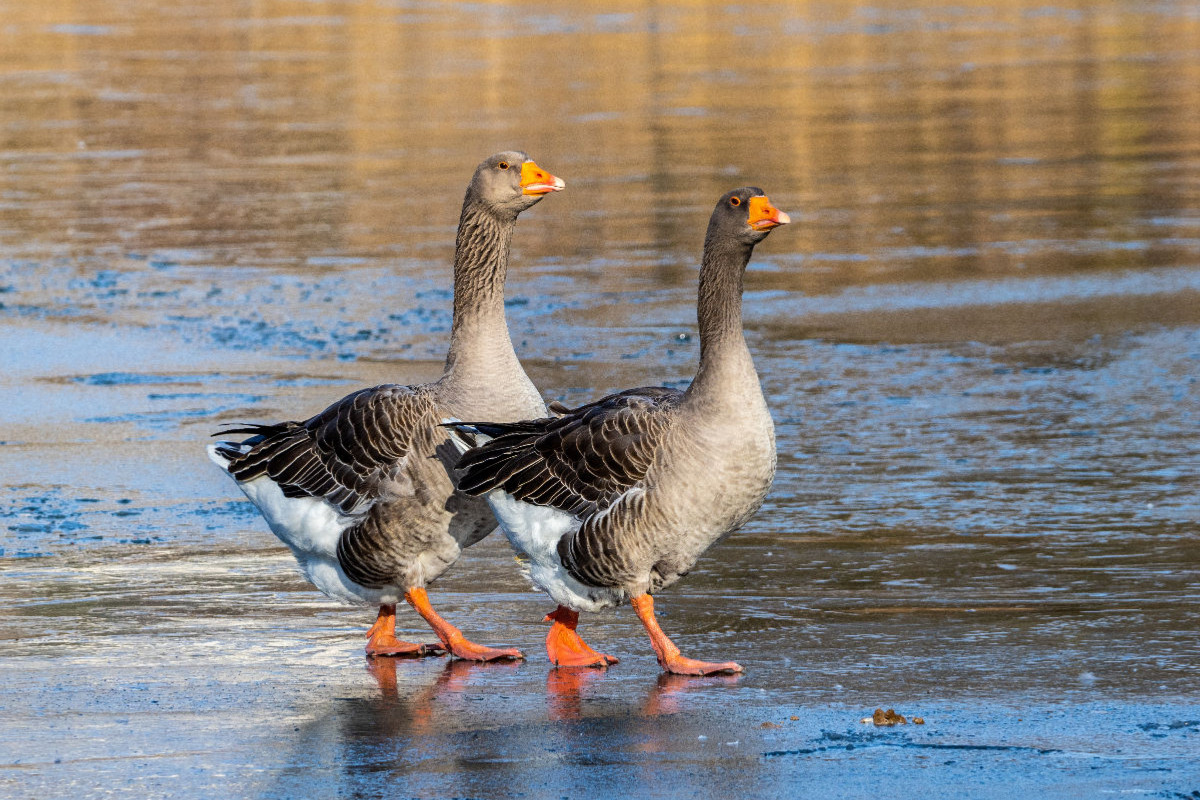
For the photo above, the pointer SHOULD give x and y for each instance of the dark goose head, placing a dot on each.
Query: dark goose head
(744, 216)
(741, 219)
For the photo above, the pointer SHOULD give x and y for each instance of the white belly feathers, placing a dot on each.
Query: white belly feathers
(310, 527)
(534, 531)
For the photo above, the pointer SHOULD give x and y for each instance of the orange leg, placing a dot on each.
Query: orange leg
(452, 637)
(564, 646)
(668, 654)
(382, 639)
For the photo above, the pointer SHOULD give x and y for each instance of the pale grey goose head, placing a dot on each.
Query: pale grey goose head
(510, 182)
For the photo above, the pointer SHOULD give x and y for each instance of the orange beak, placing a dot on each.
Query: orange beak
(764, 216)
(535, 180)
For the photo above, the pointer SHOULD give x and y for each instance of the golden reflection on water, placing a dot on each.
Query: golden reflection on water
(915, 142)
(1009, 520)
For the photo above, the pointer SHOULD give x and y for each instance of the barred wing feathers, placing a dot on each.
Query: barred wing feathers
(346, 455)
(581, 462)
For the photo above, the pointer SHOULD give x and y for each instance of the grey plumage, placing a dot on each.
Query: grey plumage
(578, 462)
(345, 454)
(653, 475)
(378, 456)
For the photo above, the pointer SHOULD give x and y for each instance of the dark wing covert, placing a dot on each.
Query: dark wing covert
(344, 453)
(579, 462)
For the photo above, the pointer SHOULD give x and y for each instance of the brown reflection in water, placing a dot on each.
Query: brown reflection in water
(567, 688)
(564, 691)
(921, 140)
(670, 692)
(453, 679)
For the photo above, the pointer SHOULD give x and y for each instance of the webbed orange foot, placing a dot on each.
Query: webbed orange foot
(666, 651)
(452, 638)
(461, 647)
(690, 666)
(382, 639)
(565, 647)
(391, 646)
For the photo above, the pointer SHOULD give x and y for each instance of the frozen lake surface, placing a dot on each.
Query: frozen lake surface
(980, 342)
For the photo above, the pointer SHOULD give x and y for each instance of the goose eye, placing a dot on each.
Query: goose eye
(735, 201)
(503, 165)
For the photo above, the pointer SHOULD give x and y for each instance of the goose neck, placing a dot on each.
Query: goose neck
(719, 301)
(480, 347)
(480, 265)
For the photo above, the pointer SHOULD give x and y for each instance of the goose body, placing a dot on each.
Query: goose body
(642, 526)
(337, 489)
(362, 493)
(617, 499)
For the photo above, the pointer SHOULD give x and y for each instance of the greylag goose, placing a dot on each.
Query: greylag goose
(361, 492)
(617, 499)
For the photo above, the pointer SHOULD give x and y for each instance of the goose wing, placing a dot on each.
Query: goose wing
(351, 454)
(580, 462)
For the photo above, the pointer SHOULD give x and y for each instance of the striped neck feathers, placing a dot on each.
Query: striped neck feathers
(725, 360)
(479, 336)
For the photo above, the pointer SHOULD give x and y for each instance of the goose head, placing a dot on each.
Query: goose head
(746, 215)
(510, 182)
